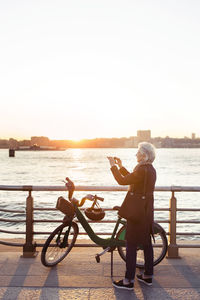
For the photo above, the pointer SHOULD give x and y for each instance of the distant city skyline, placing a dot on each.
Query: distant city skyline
(89, 69)
(143, 133)
(44, 143)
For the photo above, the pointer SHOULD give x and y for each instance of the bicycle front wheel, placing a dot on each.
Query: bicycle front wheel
(57, 246)
(159, 246)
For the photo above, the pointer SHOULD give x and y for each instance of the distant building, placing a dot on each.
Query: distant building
(40, 140)
(12, 143)
(26, 143)
(129, 142)
(193, 136)
(3, 142)
(135, 141)
(144, 135)
(157, 144)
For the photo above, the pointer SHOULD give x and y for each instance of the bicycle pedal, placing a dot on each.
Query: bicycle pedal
(97, 258)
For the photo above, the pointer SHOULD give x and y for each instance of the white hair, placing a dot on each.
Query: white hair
(148, 150)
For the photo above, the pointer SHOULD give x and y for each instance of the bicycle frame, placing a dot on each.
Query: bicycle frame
(108, 242)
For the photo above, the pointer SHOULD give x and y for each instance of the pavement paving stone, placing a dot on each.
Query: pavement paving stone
(36, 281)
(139, 293)
(114, 293)
(72, 294)
(83, 269)
(169, 294)
(4, 281)
(8, 269)
(103, 293)
(19, 294)
(118, 269)
(61, 294)
(85, 281)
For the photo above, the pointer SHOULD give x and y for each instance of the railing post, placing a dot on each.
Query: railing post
(29, 249)
(173, 247)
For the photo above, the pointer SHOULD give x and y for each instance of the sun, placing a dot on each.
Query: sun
(76, 139)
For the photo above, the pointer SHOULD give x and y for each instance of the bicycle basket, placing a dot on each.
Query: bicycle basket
(65, 206)
(95, 214)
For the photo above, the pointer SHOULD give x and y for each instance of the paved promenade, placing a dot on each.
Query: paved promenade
(80, 277)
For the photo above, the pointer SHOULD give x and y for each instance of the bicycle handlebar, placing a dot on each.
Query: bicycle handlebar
(71, 187)
(90, 197)
(98, 198)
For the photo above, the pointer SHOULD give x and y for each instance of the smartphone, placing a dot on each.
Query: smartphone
(115, 158)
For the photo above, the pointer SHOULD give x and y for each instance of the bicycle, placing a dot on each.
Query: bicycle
(62, 239)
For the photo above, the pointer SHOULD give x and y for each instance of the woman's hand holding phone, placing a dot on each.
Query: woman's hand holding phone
(111, 160)
(118, 161)
(115, 161)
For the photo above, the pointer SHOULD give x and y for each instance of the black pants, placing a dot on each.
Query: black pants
(131, 255)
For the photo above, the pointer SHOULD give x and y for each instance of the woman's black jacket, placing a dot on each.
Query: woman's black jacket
(139, 233)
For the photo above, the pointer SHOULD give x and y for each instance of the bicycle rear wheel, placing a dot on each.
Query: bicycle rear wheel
(56, 248)
(159, 246)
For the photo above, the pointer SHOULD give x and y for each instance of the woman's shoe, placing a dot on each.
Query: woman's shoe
(120, 285)
(147, 281)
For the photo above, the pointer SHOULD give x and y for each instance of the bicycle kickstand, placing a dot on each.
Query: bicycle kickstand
(111, 264)
(97, 256)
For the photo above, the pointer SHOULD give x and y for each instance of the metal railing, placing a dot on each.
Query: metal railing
(29, 247)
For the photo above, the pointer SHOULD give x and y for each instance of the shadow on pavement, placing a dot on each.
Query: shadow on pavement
(17, 280)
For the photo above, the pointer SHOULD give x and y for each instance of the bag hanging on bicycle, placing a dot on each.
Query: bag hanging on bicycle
(133, 206)
(65, 206)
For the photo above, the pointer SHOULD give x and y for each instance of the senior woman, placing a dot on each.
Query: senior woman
(142, 178)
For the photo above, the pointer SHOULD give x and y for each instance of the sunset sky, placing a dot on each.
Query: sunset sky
(100, 68)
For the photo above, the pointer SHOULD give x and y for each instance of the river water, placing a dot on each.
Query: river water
(90, 167)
